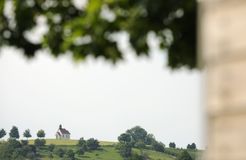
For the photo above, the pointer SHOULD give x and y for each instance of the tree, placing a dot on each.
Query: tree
(158, 146)
(184, 156)
(125, 150)
(191, 146)
(27, 134)
(2, 133)
(14, 133)
(14, 150)
(138, 134)
(125, 138)
(172, 145)
(41, 134)
(188, 146)
(92, 144)
(85, 32)
(82, 144)
(150, 139)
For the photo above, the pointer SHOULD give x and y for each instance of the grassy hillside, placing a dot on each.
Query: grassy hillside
(70, 142)
(106, 152)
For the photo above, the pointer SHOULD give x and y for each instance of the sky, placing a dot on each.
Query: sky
(97, 99)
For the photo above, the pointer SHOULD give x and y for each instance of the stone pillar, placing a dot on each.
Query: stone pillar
(222, 45)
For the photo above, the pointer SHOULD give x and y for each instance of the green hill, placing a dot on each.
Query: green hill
(106, 152)
(71, 142)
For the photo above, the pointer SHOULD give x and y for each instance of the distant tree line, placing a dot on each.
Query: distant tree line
(136, 137)
(15, 149)
(139, 138)
(191, 146)
(87, 145)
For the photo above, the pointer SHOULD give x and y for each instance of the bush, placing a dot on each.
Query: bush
(158, 146)
(51, 147)
(82, 144)
(18, 154)
(39, 142)
(51, 155)
(92, 144)
(29, 151)
(24, 142)
(80, 151)
(184, 156)
(31, 155)
(60, 152)
(13, 150)
(70, 154)
(13, 143)
(137, 157)
(5, 151)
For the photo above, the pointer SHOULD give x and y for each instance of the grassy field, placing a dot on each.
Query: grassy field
(153, 155)
(106, 152)
(70, 142)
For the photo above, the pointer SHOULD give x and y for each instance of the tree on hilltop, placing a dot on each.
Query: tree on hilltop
(14, 133)
(41, 133)
(27, 134)
(2, 133)
(172, 145)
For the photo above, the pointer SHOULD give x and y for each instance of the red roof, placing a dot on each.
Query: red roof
(64, 131)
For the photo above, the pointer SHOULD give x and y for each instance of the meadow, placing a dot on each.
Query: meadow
(107, 151)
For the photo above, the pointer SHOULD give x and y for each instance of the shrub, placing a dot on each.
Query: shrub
(184, 156)
(70, 154)
(13, 143)
(82, 144)
(137, 157)
(60, 152)
(31, 155)
(80, 151)
(24, 142)
(51, 155)
(51, 147)
(158, 146)
(92, 144)
(39, 142)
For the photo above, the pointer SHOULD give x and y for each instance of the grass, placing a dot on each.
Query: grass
(153, 155)
(107, 151)
(70, 142)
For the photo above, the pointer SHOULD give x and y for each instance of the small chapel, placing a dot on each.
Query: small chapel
(62, 133)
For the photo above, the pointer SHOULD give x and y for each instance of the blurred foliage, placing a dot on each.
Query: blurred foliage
(87, 31)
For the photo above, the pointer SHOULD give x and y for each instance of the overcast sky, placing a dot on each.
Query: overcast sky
(97, 99)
